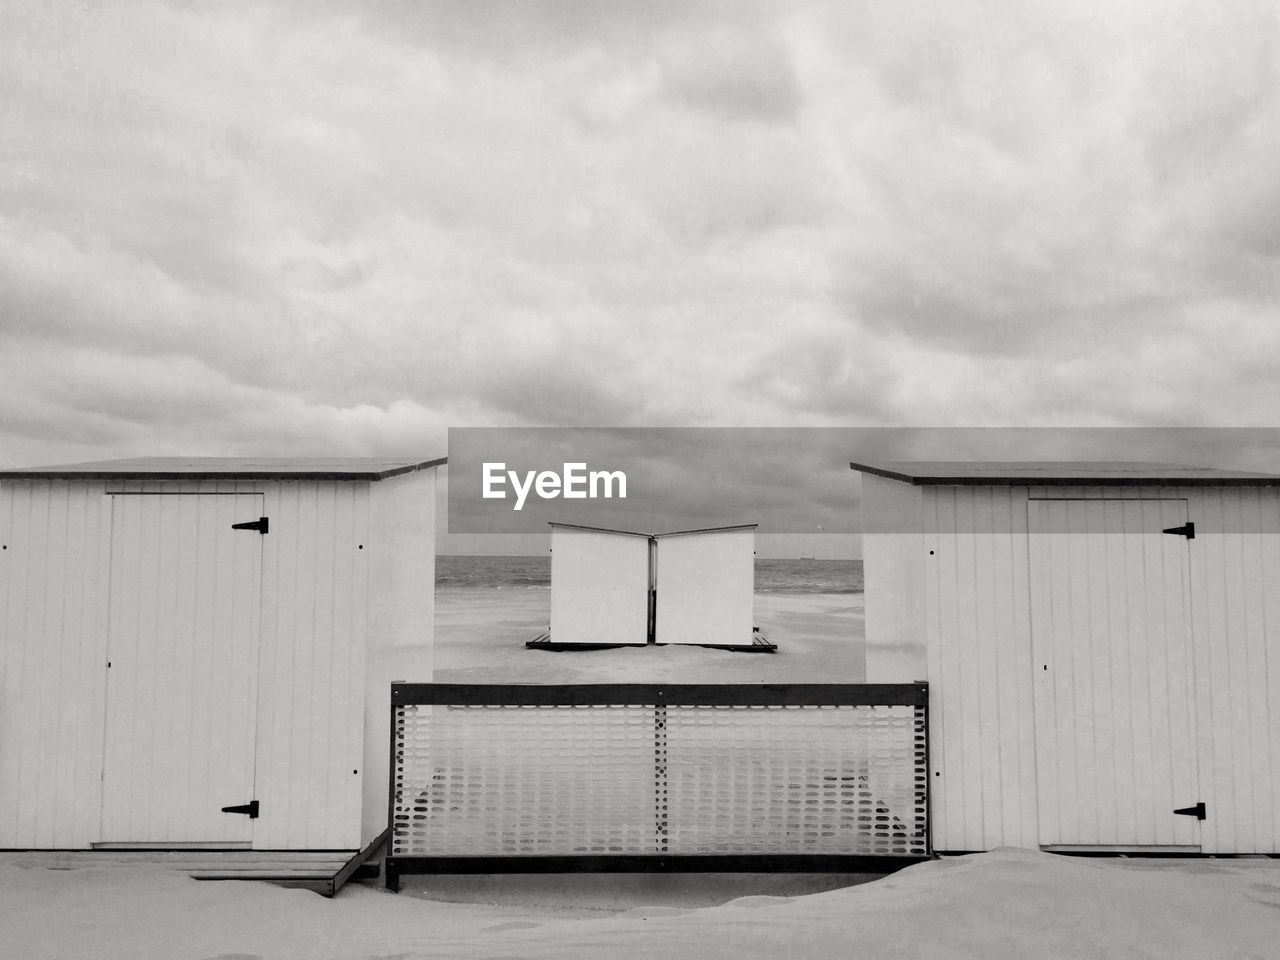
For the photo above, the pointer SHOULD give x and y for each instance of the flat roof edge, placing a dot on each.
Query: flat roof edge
(1049, 480)
(38, 473)
(652, 536)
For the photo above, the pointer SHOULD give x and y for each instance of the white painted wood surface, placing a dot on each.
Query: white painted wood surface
(599, 586)
(182, 656)
(1114, 699)
(319, 670)
(401, 599)
(893, 567)
(974, 608)
(706, 587)
(982, 745)
(311, 693)
(53, 651)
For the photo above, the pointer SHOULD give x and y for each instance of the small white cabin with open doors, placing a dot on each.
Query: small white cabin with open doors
(620, 588)
(1102, 646)
(197, 653)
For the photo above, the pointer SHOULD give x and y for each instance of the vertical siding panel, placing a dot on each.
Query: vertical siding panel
(67, 538)
(326, 636)
(961, 635)
(1202, 632)
(1217, 785)
(1040, 604)
(45, 683)
(308, 742)
(1270, 566)
(13, 827)
(988, 613)
(1235, 640)
(28, 533)
(271, 771)
(1252, 589)
(298, 589)
(947, 721)
(8, 670)
(1156, 668)
(50, 663)
(84, 719)
(336, 772)
(310, 737)
(1067, 668)
(1018, 711)
(356, 670)
(1131, 675)
(1106, 541)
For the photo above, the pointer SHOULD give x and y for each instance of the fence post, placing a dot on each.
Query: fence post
(662, 824)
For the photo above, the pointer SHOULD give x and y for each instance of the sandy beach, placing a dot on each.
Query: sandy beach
(1005, 905)
(481, 635)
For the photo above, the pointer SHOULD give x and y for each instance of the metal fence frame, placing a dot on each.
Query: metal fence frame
(659, 696)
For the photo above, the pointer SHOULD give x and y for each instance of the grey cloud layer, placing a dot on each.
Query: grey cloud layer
(341, 228)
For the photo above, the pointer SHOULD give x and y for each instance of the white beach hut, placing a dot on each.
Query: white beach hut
(1102, 645)
(619, 588)
(197, 653)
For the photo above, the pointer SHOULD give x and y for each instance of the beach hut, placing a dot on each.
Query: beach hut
(620, 588)
(1102, 646)
(197, 653)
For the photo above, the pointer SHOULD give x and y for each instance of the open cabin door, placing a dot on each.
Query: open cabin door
(599, 586)
(706, 586)
(1114, 721)
(183, 624)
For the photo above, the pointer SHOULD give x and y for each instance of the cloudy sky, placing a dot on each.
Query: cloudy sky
(329, 228)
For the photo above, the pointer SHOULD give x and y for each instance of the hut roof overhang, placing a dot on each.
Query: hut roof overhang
(1060, 473)
(227, 468)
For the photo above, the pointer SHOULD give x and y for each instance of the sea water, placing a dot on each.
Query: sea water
(534, 573)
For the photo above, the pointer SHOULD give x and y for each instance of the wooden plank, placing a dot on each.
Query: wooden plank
(949, 808)
(1017, 711)
(253, 863)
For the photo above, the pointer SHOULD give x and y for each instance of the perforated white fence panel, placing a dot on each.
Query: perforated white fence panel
(796, 780)
(524, 780)
(554, 780)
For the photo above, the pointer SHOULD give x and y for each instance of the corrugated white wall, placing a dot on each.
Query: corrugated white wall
(329, 574)
(975, 612)
(53, 653)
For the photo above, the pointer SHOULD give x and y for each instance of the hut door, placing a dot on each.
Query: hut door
(599, 586)
(182, 677)
(706, 587)
(1114, 722)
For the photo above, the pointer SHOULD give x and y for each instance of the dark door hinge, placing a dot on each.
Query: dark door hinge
(1187, 530)
(1197, 811)
(261, 525)
(250, 809)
